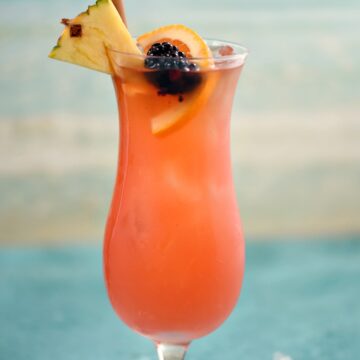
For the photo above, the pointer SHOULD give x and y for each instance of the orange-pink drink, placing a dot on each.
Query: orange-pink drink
(174, 249)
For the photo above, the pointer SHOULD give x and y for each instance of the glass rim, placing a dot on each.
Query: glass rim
(241, 52)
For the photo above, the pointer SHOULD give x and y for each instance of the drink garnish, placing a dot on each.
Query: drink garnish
(185, 39)
(177, 75)
(85, 38)
(175, 58)
(174, 72)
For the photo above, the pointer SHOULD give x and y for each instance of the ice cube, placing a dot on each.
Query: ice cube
(226, 50)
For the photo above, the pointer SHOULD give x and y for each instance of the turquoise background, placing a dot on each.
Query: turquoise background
(297, 300)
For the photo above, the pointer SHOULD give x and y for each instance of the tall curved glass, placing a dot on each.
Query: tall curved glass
(174, 247)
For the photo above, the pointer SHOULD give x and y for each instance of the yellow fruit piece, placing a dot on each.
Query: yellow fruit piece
(86, 37)
(193, 46)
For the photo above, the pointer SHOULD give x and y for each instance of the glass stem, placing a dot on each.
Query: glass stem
(171, 352)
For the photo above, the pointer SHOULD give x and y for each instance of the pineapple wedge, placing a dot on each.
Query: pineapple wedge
(86, 37)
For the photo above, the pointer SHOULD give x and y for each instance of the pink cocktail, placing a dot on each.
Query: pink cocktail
(174, 247)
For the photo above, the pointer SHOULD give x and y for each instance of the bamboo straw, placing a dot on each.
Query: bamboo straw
(120, 8)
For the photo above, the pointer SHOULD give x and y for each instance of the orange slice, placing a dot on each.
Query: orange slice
(189, 42)
(178, 114)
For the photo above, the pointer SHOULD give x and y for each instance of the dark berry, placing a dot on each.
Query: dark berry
(172, 72)
(193, 67)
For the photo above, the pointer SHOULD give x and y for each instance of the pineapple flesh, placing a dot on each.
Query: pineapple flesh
(86, 37)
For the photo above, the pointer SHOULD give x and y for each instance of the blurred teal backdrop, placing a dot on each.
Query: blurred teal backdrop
(296, 161)
(295, 129)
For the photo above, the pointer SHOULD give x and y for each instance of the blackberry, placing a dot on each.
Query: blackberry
(173, 72)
